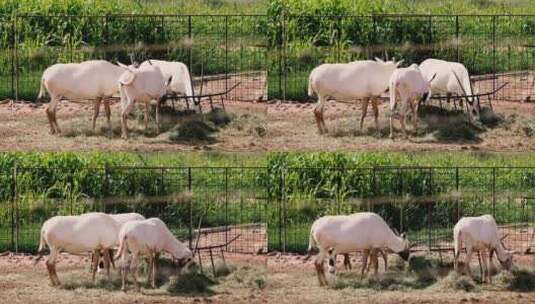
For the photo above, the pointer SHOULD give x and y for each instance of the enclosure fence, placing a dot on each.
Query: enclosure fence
(269, 56)
(259, 209)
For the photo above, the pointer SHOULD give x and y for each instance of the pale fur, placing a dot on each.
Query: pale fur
(149, 238)
(445, 81)
(94, 80)
(77, 235)
(365, 80)
(479, 234)
(363, 231)
(141, 85)
(407, 88)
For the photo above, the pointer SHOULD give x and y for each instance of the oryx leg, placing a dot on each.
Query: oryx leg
(51, 261)
(126, 109)
(107, 262)
(318, 263)
(146, 116)
(96, 111)
(158, 118)
(347, 262)
(96, 253)
(134, 268)
(155, 266)
(107, 109)
(469, 252)
(365, 254)
(376, 114)
(51, 114)
(318, 113)
(365, 102)
(125, 265)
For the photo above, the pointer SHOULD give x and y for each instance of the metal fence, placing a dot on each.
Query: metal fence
(271, 56)
(263, 209)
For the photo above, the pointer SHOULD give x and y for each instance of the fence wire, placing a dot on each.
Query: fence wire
(256, 210)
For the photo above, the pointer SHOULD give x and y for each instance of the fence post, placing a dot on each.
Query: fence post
(494, 192)
(106, 186)
(190, 208)
(15, 209)
(494, 55)
(13, 203)
(457, 190)
(282, 213)
(190, 51)
(12, 40)
(15, 57)
(284, 56)
(457, 37)
(226, 207)
(401, 200)
(226, 53)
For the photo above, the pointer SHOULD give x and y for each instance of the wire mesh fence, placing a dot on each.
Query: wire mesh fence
(270, 56)
(256, 210)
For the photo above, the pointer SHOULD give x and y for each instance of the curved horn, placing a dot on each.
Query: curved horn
(396, 232)
(504, 237)
(432, 78)
(150, 62)
(379, 60)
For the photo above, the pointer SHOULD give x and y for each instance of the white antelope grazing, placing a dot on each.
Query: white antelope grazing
(90, 232)
(365, 80)
(94, 80)
(181, 83)
(479, 234)
(141, 85)
(120, 219)
(364, 231)
(451, 78)
(148, 238)
(408, 88)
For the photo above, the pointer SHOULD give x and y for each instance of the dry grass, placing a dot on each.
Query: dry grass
(247, 281)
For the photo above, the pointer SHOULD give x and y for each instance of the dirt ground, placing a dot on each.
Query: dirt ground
(286, 279)
(256, 127)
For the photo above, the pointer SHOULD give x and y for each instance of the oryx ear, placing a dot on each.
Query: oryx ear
(403, 236)
(379, 60)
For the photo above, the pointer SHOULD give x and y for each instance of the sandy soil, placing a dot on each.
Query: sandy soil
(288, 279)
(257, 127)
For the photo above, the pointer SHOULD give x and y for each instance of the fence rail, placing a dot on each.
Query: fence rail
(284, 48)
(269, 209)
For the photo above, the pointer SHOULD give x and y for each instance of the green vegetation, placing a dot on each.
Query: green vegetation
(220, 44)
(309, 185)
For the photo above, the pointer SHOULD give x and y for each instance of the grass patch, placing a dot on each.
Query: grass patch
(518, 279)
(248, 276)
(250, 125)
(192, 130)
(458, 282)
(190, 283)
(446, 125)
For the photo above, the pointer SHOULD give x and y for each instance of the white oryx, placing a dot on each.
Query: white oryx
(365, 79)
(479, 234)
(144, 84)
(181, 83)
(451, 78)
(148, 238)
(364, 231)
(408, 88)
(90, 232)
(94, 80)
(120, 219)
